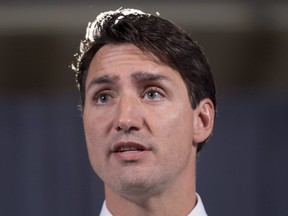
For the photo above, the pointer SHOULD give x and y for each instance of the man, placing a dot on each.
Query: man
(148, 105)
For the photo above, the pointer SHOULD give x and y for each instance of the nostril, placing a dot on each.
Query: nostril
(126, 128)
(118, 128)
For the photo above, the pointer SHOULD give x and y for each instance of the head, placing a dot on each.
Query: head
(148, 104)
(152, 34)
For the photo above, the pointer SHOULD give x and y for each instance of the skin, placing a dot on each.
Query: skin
(135, 101)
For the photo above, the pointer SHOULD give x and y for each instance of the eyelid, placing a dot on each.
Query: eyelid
(157, 89)
(104, 92)
(99, 88)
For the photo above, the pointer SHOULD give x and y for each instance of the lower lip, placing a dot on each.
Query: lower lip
(130, 155)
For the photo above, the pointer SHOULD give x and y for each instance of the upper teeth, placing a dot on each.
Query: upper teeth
(127, 148)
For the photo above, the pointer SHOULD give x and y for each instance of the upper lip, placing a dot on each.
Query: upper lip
(128, 146)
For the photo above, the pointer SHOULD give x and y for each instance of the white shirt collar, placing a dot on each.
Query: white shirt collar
(104, 210)
(198, 210)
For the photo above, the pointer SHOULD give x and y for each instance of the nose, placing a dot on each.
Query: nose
(129, 114)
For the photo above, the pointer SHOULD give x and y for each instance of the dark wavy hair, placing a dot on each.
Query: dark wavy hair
(169, 43)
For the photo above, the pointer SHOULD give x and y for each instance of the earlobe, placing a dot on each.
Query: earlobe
(203, 120)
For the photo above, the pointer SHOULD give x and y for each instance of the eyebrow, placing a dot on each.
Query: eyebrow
(103, 79)
(146, 76)
(138, 77)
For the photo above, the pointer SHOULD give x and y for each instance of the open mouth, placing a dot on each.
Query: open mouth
(128, 147)
(129, 151)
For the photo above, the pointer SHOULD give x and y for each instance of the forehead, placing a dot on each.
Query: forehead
(123, 52)
(125, 60)
(121, 65)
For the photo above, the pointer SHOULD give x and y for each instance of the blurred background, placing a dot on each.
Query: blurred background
(44, 167)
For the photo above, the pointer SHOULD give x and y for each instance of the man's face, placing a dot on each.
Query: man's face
(138, 121)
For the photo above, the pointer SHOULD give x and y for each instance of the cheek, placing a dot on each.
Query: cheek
(176, 128)
(92, 137)
(92, 127)
(180, 120)
(95, 152)
(89, 127)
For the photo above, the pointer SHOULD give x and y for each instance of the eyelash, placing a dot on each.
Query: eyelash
(154, 89)
(100, 94)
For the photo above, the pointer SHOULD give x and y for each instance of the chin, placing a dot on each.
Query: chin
(136, 186)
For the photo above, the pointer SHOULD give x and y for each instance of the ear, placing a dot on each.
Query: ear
(203, 120)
